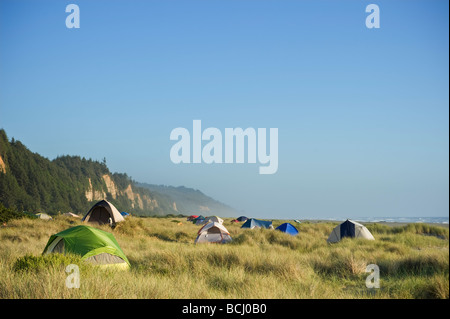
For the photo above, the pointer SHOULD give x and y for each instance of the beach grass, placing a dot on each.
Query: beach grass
(413, 261)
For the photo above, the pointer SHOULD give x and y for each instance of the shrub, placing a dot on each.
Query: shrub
(415, 228)
(44, 262)
(131, 226)
(415, 265)
(7, 214)
(182, 236)
(425, 229)
(438, 287)
(223, 259)
(342, 263)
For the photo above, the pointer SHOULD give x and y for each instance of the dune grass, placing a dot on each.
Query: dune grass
(260, 263)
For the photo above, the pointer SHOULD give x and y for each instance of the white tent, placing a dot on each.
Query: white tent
(212, 219)
(213, 233)
(103, 213)
(351, 229)
(44, 216)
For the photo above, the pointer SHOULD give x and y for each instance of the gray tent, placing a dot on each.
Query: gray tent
(256, 223)
(213, 233)
(43, 216)
(351, 229)
(213, 219)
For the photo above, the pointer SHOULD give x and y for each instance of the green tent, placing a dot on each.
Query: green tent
(93, 245)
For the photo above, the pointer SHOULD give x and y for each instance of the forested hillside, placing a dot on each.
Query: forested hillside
(31, 182)
(192, 201)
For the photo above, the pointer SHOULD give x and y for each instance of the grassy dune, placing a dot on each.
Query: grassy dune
(413, 262)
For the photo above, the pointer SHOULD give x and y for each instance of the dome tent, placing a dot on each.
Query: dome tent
(256, 223)
(215, 219)
(288, 228)
(213, 233)
(200, 220)
(43, 216)
(351, 229)
(103, 213)
(93, 245)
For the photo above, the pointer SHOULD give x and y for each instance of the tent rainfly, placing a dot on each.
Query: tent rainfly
(351, 229)
(213, 233)
(103, 213)
(93, 245)
(192, 217)
(241, 219)
(256, 223)
(288, 228)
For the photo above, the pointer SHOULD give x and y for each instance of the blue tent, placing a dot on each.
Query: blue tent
(288, 228)
(241, 219)
(252, 223)
(200, 219)
(124, 214)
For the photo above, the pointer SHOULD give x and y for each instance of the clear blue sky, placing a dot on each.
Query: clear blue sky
(362, 113)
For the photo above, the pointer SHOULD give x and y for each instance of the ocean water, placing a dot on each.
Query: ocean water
(437, 220)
